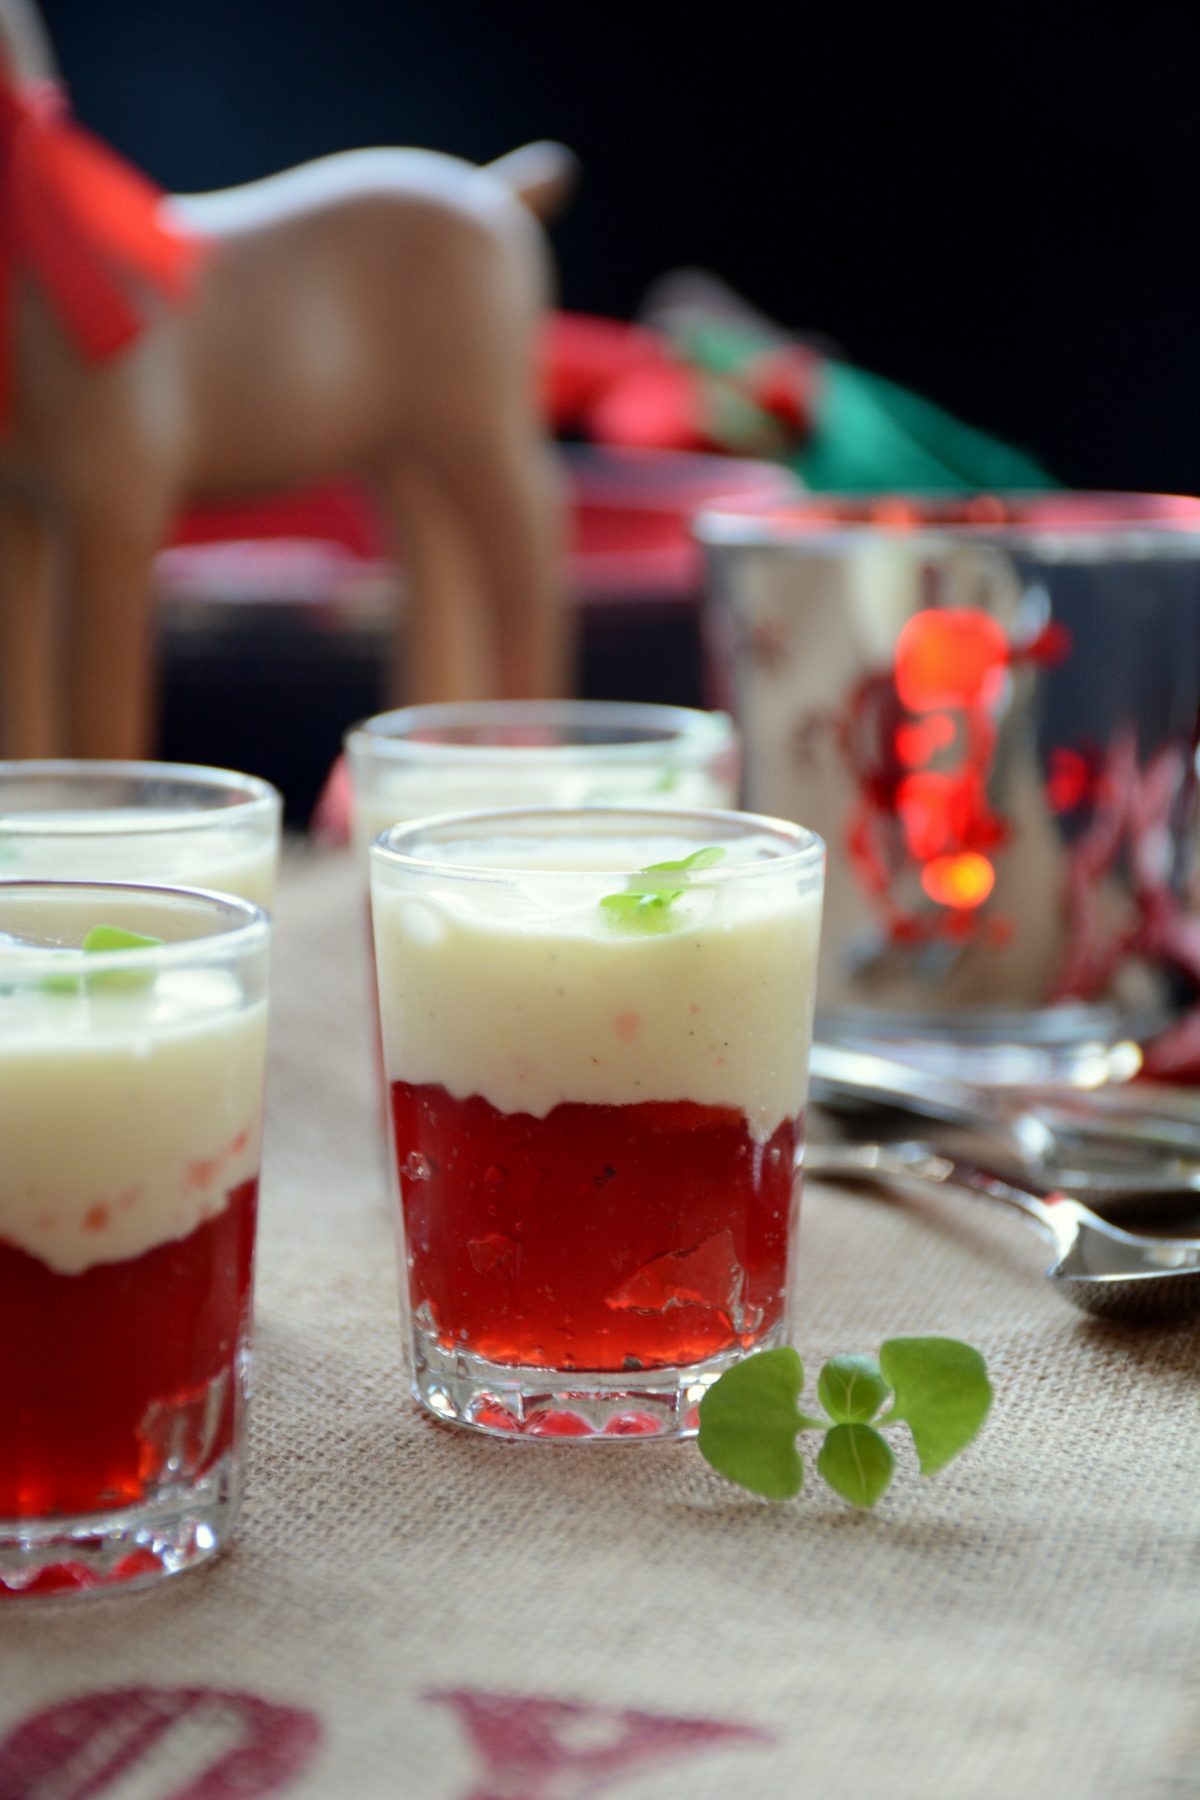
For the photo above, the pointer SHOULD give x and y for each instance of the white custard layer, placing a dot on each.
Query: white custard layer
(127, 1115)
(539, 1000)
(93, 847)
(395, 796)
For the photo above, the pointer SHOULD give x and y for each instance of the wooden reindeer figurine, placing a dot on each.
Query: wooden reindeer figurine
(372, 312)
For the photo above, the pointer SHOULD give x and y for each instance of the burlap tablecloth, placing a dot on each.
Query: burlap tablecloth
(411, 1611)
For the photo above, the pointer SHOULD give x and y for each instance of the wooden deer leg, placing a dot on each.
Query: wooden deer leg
(442, 653)
(506, 490)
(32, 719)
(111, 655)
(483, 615)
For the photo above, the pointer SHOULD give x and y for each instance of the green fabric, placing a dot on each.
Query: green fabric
(871, 434)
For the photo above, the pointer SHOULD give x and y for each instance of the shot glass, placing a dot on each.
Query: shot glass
(175, 823)
(596, 1028)
(131, 1084)
(426, 760)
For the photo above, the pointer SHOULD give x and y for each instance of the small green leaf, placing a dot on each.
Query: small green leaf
(851, 1389)
(942, 1393)
(103, 938)
(708, 858)
(61, 984)
(640, 912)
(857, 1463)
(113, 937)
(644, 904)
(749, 1420)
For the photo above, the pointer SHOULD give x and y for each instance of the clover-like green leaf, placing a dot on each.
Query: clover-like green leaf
(857, 1462)
(851, 1389)
(749, 1420)
(942, 1393)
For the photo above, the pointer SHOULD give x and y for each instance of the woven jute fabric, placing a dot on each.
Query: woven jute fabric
(417, 1612)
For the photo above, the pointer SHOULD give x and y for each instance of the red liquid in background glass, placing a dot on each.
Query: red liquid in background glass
(99, 1370)
(600, 1237)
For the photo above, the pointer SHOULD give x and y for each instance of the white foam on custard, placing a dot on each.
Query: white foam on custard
(530, 996)
(127, 1113)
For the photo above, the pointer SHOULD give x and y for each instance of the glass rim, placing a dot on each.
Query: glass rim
(684, 728)
(1005, 515)
(248, 931)
(806, 856)
(259, 798)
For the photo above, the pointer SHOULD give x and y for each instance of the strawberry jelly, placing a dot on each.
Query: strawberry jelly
(107, 1374)
(602, 1238)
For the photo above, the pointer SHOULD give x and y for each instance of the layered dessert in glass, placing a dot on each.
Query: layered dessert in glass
(176, 823)
(132, 1045)
(596, 1027)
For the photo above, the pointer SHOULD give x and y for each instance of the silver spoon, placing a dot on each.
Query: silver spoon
(1101, 1268)
(1063, 1141)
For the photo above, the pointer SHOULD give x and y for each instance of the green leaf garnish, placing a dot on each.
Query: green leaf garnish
(645, 902)
(851, 1389)
(750, 1418)
(942, 1393)
(857, 1462)
(114, 937)
(102, 938)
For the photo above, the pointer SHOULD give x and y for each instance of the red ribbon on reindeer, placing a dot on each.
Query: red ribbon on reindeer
(86, 225)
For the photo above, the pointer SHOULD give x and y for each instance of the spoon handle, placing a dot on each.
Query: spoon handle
(839, 1073)
(924, 1165)
(1042, 1128)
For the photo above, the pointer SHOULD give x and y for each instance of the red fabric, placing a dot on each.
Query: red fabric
(581, 356)
(82, 221)
(629, 386)
(336, 512)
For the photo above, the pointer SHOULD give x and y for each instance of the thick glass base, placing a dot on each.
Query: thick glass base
(553, 1405)
(102, 1553)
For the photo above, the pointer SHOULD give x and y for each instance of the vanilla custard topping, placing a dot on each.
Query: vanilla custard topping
(128, 1112)
(531, 995)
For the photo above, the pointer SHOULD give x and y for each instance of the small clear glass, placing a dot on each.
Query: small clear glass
(131, 1096)
(425, 760)
(597, 1074)
(176, 823)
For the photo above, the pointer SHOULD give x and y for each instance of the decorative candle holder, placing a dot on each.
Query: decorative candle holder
(989, 710)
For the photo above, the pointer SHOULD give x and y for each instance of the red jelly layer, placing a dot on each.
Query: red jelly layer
(107, 1374)
(598, 1238)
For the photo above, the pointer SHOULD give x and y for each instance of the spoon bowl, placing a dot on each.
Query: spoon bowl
(1100, 1267)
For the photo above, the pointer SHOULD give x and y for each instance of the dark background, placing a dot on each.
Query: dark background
(999, 210)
